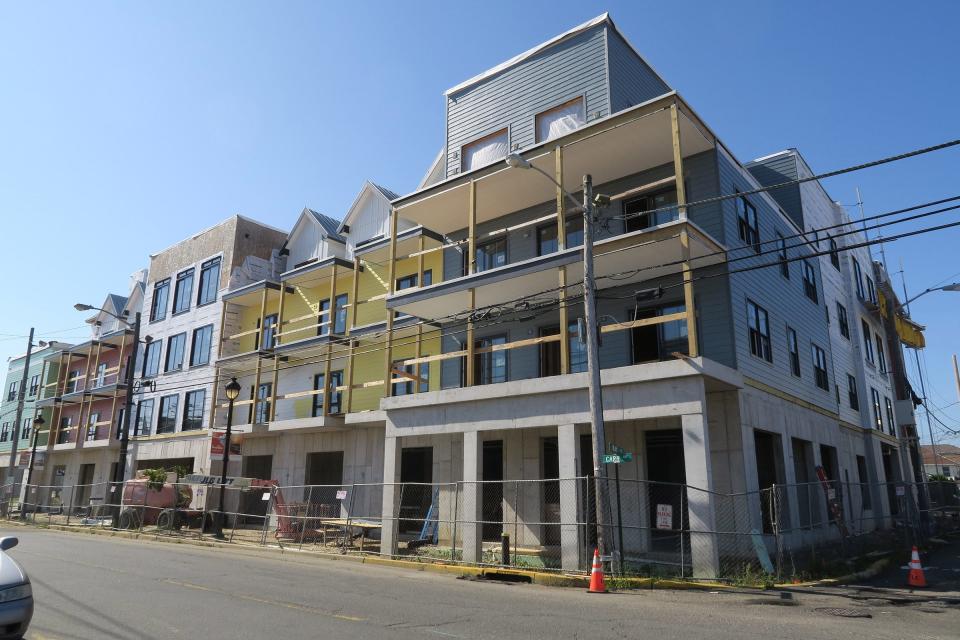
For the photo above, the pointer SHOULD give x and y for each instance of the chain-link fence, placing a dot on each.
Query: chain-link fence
(653, 528)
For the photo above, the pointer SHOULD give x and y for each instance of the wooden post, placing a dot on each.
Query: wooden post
(418, 344)
(562, 271)
(687, 272)
(326, 382)
(263, 318)
(86, 387)
(355, 302)
(213, 399)
(279, 329)
(470, 347)
(391, 284)
(472, 230)
(256, 389)
(273, 387)
(223, 323)
(113, 403)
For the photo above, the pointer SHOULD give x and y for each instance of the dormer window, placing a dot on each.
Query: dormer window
(561, 120)
(484, 151)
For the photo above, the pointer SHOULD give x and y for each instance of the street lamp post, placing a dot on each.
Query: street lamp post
(233, 391)
(37, 423)
(120, 472)
(594, 388)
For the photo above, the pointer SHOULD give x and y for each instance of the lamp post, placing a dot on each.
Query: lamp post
(37, 423)
(594, 388)
(233, 391)
(127, 408)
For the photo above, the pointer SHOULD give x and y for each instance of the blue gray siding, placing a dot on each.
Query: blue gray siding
(775, 170)
(782, 298)
(512, 98)
(632, 81)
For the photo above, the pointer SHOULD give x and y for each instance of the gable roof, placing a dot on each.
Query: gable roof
(368, 187)
(330, 226)
(118, 301)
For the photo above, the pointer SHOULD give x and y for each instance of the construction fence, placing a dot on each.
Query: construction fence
(653, 528)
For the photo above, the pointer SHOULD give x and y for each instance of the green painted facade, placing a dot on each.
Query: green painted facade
(37, 378)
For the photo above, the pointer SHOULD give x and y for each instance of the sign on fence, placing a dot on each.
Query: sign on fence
(198, 478)
(901, 490)
(341, 495)
(664, 516)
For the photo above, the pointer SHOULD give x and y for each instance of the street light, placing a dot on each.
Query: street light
(594, 389)
(233, 391)
(121, 470)
(37, 423)
(947, 287)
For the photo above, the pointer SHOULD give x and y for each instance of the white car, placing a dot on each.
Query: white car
(16, 595)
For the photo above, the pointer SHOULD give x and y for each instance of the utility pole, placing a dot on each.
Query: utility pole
(125, 428)
(593, 367)
(923, 390)
(21, 398)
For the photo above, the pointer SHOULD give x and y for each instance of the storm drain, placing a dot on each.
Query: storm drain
(844, 613)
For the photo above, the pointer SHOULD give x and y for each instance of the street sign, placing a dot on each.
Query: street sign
(609, 458)
(617, 455)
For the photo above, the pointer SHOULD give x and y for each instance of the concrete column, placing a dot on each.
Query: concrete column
(701, 507)
(569, 531)
(391, 496)
(470, 496)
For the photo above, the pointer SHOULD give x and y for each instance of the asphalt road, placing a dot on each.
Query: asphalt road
(95, 587)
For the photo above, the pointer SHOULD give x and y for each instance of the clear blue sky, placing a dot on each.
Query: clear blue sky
(125, 127)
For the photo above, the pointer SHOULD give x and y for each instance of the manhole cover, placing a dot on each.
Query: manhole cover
(844, 613)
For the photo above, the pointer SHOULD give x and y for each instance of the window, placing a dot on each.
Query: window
(267, 333)
(151, 360)
(144, 418)
(794, 349)
(183, 292)
(852, 394)
(167, 420)
(747, 223)
(547, 236)
(92, 421)
(550, 351)
(636, 211)
(881, 356)
(891, 421)
(782, 256)
(26, 428)
(858, 278)
(865, 500)
(335, 397)
(5, 432)
(100, 376)
(560, 120)
(323, 318)
(161, 294)
(406, 388)
(209, 281)
(759, 333)
(834, 254)
(340, 314)
(12, 391)
(34, 384)
(810, 281)
(261, 412)
(200, 349)
(490, 367)
(484, 151)
(867, 343)
(820, 368)
(406, 282)
(871, 290)
(63, 434)
(842, 321)
(193, 409)
(120, 414)
(175, 351)
(73, 380)
(491, 255)
(875, 399)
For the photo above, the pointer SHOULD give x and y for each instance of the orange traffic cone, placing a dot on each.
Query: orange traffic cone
(596, 575)
(915, 577)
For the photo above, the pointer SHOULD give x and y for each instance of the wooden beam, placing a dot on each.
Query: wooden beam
(283, 290)
(273, 388)
(650, 186)
(333, 298)
(516, 344)
(441, 247)
(326, 381)
(355, 293)
(562, 271)
(263, 319)
(435, 357)
(213, 398)
(391, 284)
(644, 322)
(688, 298)
(472, 229)
(470, 346)
(418, 344)
(223, 324)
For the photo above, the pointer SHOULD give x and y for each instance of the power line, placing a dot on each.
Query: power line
(788, 183)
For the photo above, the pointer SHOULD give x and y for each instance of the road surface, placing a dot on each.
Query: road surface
(90, 587)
